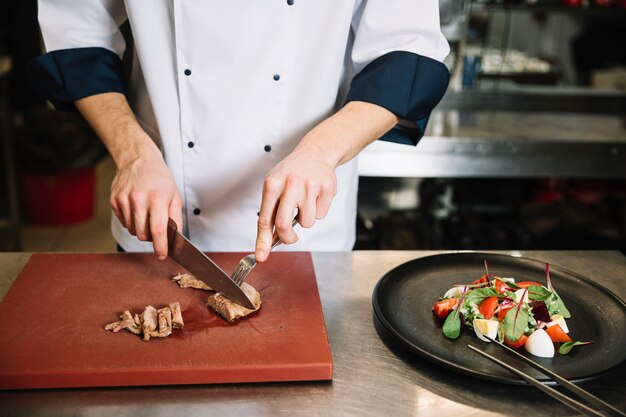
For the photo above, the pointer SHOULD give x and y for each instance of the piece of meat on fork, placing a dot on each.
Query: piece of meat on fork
(230, 310)
(227, 309)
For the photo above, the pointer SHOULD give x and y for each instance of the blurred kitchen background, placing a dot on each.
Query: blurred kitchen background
(526, 150)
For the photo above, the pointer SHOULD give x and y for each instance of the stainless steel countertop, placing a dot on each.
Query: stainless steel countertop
(370, 378)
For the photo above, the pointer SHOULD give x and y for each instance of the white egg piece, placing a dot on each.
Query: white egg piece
(560, 320)
(540, 344)
(519, 294)
(454, 292)
(484, 328)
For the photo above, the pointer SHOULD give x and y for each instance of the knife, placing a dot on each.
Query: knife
(202, 267)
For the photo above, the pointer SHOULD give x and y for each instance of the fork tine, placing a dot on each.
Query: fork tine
(243, 269)
(240, 274)
(242, 278)
(248, 262)
(237, 275)
(244, 275)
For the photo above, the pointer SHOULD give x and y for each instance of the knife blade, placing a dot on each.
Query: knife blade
(202, 267)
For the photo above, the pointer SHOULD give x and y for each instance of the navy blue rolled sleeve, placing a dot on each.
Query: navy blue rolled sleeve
(408, 85)
(66, 75)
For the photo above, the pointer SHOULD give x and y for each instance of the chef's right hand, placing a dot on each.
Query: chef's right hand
(144, 196)
(143, 192)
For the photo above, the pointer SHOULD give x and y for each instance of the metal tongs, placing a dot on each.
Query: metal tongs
(605, 408)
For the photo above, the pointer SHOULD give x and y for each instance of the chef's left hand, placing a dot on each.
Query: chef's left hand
(305, 180)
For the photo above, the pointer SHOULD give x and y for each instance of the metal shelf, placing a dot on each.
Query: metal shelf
(501, 95)
(463, 157)
(506, 145)
(560, 102)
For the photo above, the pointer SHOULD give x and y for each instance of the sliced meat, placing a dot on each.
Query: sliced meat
(165, 322)
(126, 321)
(177, 317)
(230, 310)
(149, 324)
(189, 281)
(226, 308)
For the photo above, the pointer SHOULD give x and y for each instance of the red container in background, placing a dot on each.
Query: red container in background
(57, 198)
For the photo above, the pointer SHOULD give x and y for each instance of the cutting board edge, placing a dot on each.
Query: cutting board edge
(146, 377)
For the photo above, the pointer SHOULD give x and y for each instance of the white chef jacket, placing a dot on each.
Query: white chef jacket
(227, 89)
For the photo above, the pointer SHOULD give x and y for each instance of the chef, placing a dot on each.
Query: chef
(238, 113)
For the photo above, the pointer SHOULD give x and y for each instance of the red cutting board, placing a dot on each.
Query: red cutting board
(52, 319)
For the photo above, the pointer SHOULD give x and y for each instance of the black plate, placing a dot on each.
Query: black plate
(404, 297)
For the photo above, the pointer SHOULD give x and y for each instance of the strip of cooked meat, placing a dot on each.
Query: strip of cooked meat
(126, 322)
(177, 317)
(189, 281)
(149, 324)
(226, 308)
(165, 322)
(230, 310)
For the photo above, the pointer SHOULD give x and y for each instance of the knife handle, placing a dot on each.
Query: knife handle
(172, 229)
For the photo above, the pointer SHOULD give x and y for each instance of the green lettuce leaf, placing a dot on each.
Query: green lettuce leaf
(560, 305)
(567, 346)
(515, 322)
(477, 296)
(539, 293)
(452, 325)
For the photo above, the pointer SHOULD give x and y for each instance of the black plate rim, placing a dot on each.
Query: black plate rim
(469, 371)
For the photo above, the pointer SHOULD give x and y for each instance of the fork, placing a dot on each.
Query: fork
(248, 262)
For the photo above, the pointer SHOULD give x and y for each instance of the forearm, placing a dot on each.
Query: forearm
(305, 179)
(112, 119)
(342, 136)
(143, 193)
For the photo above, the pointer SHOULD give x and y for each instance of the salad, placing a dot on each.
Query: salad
(517, 314)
